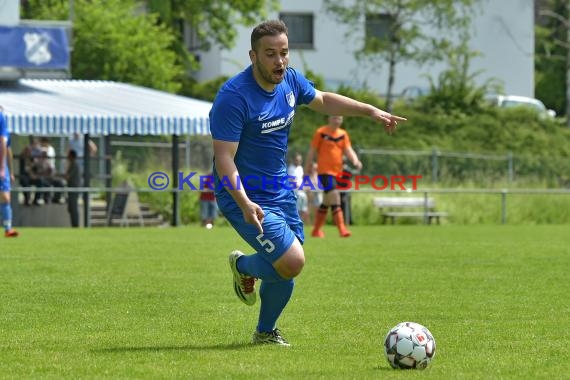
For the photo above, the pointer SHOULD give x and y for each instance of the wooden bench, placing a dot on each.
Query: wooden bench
(415, 207)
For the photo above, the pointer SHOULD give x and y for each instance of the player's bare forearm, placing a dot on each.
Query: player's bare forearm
(224, 153)
(227, 170)
(334, 104)
(234, 187)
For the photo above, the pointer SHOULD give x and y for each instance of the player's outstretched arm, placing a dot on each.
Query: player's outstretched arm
(334, 104)
(224, 153)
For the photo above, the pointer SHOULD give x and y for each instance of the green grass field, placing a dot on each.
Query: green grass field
(158, 303)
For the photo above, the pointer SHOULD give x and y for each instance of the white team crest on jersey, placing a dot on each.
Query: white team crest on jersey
(291, 99)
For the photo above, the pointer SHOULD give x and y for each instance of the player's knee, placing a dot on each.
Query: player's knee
(292, 262)
(5, 197)
(294, 267)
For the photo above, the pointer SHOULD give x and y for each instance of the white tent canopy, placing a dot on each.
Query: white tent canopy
(64, 107)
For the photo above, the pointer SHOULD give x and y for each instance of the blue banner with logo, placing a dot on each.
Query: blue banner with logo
(28, 47)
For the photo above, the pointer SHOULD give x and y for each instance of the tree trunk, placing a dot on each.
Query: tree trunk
(391, 79)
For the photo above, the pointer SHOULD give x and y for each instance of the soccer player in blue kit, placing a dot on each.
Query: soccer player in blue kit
(250, 121)
(5, 178)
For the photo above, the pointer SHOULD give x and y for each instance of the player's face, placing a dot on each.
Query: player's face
(298, 160)
(270, 60)
(335, 121)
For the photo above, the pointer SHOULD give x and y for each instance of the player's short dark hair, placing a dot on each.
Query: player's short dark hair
(267, 28)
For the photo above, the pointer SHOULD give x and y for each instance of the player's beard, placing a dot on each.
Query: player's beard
(268, 75)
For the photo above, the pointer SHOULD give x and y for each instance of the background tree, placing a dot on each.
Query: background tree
(212, 21)
(456, 89)
(111, 41)
(201, 24)
(142, 42)
(396, 31)
(552, 55)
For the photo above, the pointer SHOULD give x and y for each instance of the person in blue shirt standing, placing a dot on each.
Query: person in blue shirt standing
(250, 121)
(5, 177)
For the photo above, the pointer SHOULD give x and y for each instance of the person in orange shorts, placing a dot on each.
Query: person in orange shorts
(330, 143)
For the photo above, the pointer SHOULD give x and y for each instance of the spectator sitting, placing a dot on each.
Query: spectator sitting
(36, 148)
(36, 179)
(44, 174)
(46, 146)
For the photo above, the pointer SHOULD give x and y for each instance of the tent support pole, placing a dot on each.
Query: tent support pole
(107, 154)
(86, 181)
(175, 194)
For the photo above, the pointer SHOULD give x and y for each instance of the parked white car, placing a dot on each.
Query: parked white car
(509, 101)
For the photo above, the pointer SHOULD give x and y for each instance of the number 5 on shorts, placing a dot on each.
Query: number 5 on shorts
(266, 243)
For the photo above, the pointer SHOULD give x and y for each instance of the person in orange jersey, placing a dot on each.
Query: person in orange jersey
(329, 144)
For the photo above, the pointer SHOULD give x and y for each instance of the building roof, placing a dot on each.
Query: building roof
(63, 107)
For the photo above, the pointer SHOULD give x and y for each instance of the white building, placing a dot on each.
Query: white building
(503, 32)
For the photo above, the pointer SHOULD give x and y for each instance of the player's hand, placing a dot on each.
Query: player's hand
(253, 214)
(390, 121)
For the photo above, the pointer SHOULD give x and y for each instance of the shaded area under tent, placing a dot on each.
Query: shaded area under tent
(102, 108)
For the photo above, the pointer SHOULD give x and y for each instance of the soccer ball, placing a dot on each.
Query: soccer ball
(409, 345)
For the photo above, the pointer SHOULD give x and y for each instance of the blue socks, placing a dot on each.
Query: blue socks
(256, 266)
(274, 297)
(7, 216)
(274, 292)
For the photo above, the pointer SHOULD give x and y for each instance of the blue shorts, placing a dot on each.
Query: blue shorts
(281, 225)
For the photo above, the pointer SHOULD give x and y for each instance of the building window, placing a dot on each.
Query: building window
(300, 27)
(378, 28)
(191, 38)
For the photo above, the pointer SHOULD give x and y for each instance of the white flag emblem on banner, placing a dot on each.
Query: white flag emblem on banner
(37, 48)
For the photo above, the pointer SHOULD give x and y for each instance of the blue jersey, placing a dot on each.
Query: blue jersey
(4, 134)
(260, 121)
(5, 181)
(3, 126)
